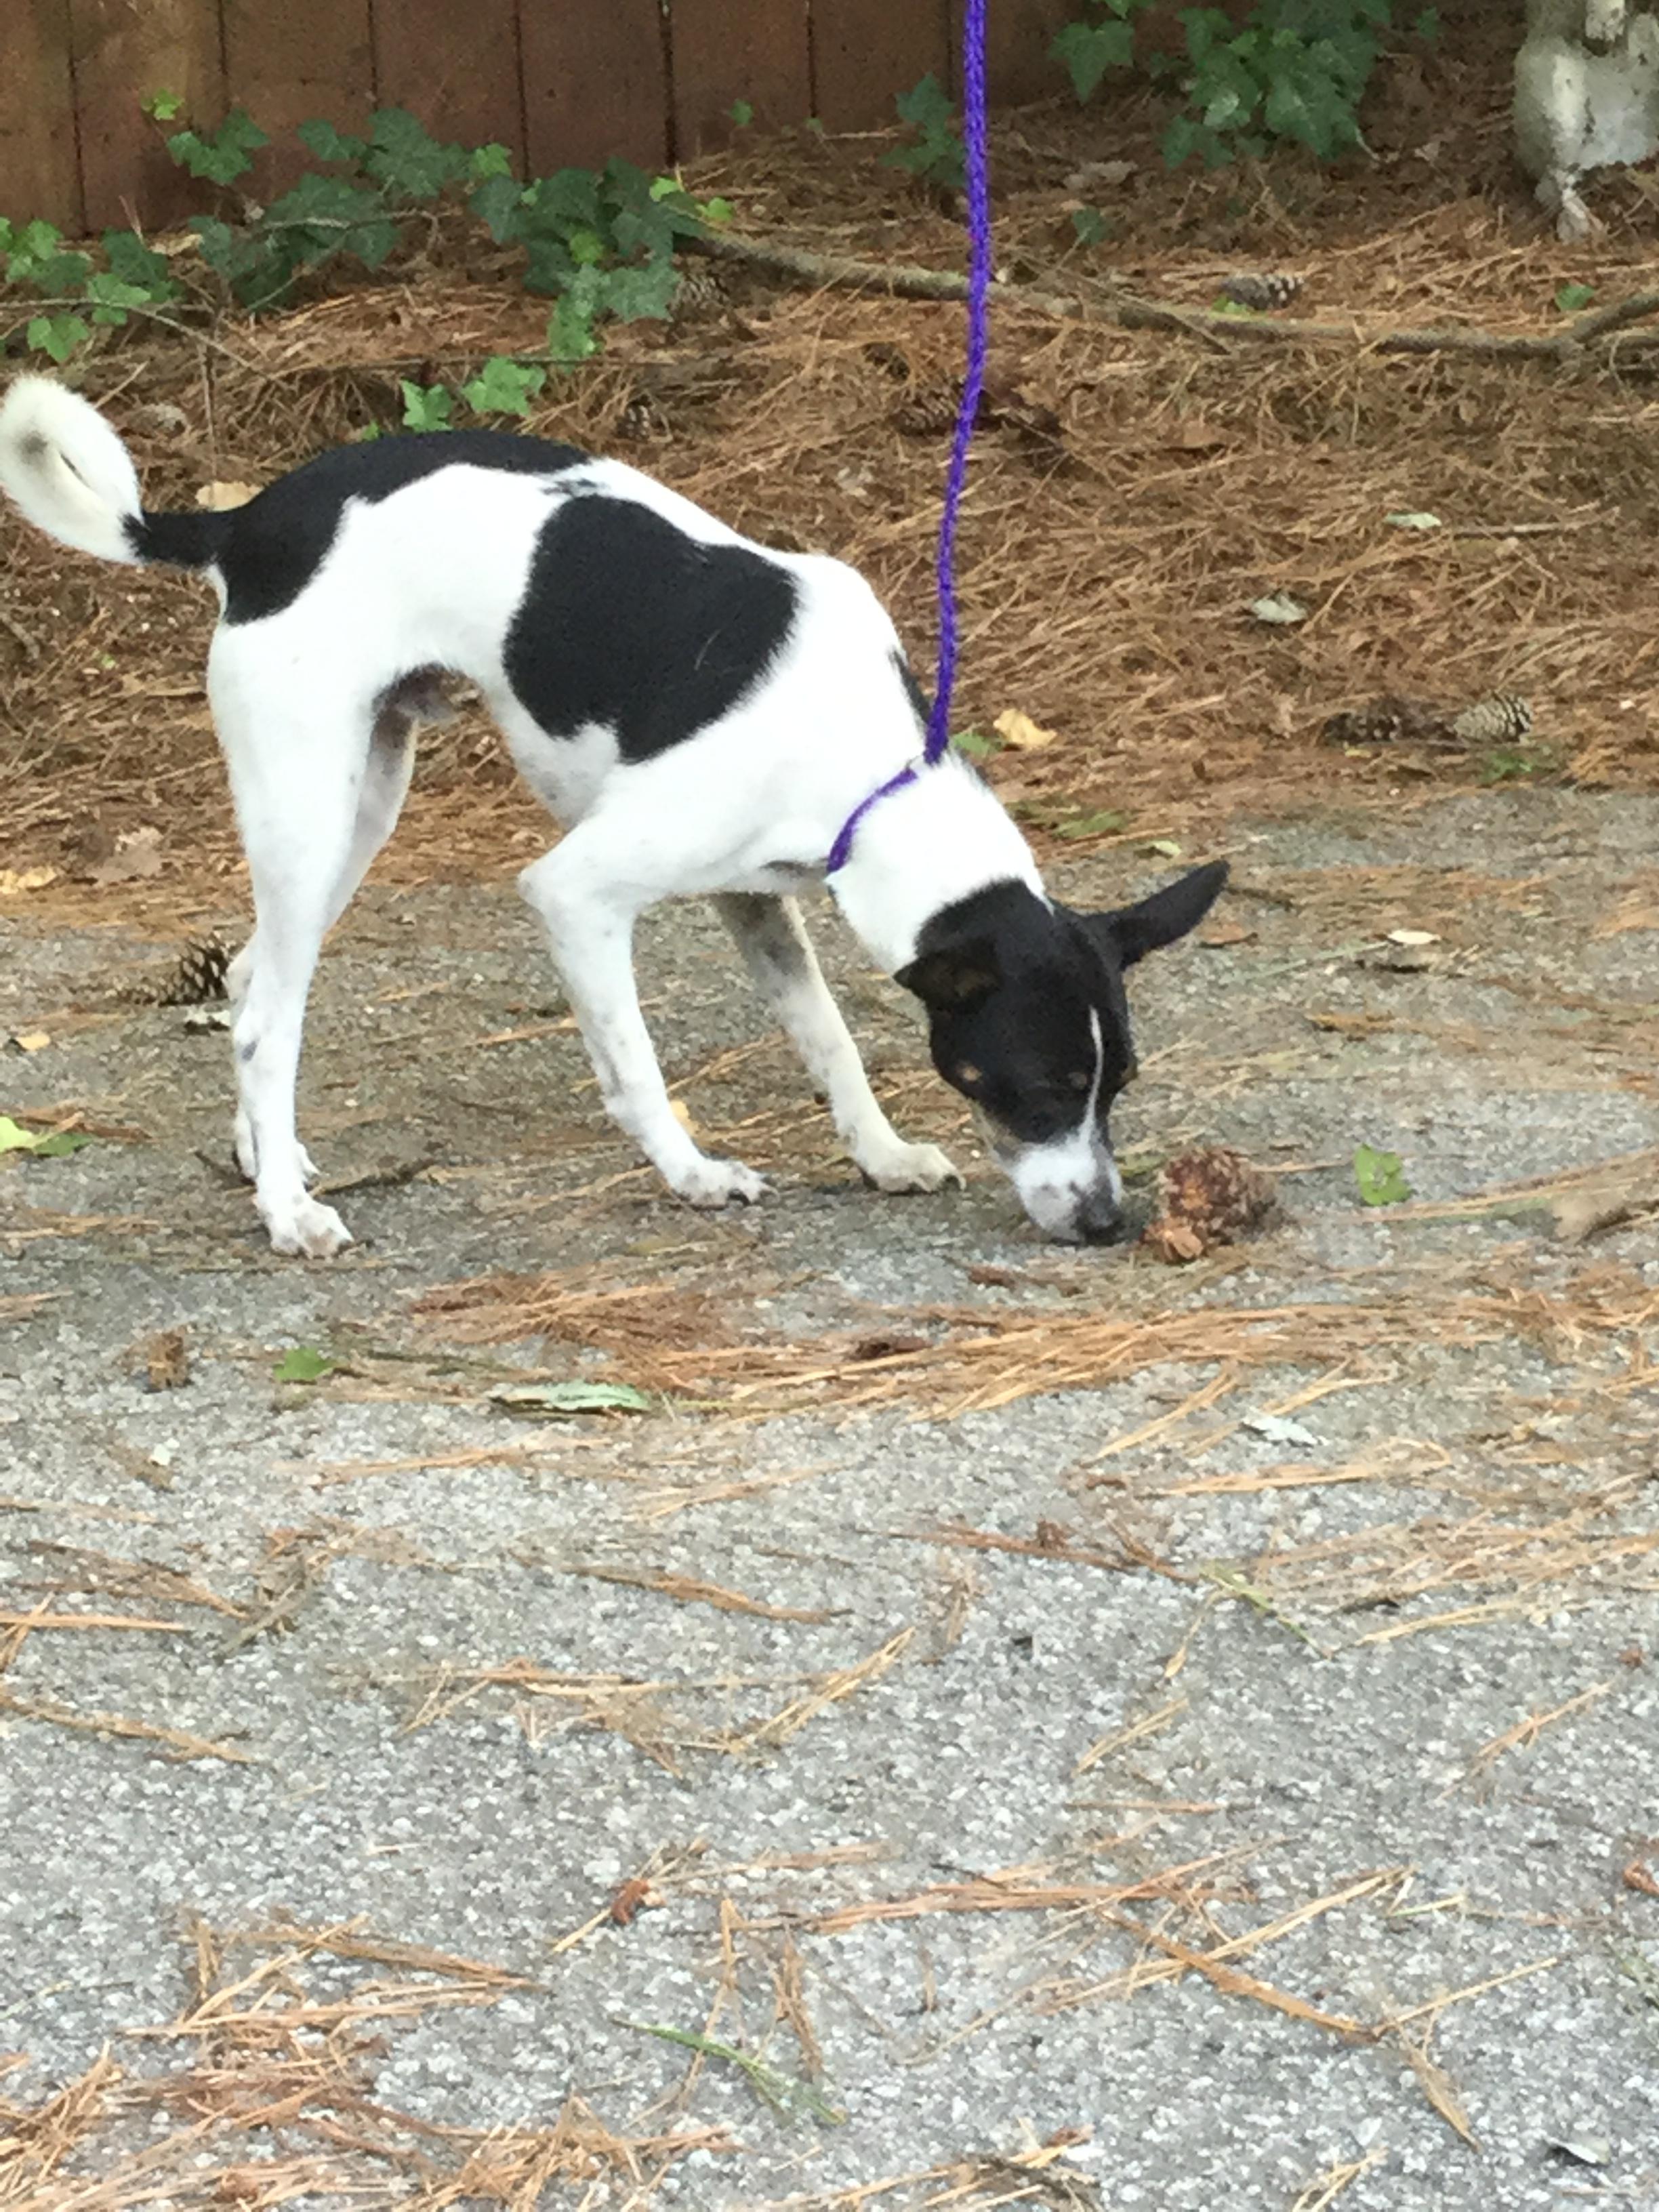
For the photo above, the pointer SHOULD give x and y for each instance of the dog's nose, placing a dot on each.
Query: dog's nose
(1100, 1219)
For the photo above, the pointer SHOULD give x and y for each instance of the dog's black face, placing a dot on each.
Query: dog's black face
(1028, 1017)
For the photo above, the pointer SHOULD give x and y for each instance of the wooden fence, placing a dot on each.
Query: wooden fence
(558, 81)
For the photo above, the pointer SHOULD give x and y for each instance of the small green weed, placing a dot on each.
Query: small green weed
(302, 1362)
(1379, 1178)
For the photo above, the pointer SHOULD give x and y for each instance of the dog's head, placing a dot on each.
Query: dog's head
(1029, 1019)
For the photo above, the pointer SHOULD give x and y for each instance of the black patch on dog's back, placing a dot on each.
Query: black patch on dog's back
(269, 550)
(627, 623)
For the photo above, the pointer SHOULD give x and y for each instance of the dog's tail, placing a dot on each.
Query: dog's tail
(70, 475)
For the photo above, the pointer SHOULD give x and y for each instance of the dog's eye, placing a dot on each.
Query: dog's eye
(1080, 1079)
(966, 1073)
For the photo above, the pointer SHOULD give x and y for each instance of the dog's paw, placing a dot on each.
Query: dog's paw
(306, 1230)
(719, 1183)
(902, 1167)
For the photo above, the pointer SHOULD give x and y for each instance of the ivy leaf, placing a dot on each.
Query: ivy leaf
(503, 388)
(1087, 51)
(742, 113)
(1573, 299)
(112, 297)
(404, 157)
(1379, 1178)
(974, 744)
(57, 336)
(570, 326)
(224, 156)
(328, 144)
(134, 263)
(486, 162)
(426, 406)
(164, 106)
(638, 294)
(303, 1363)
(495, 202)
(1089, 224)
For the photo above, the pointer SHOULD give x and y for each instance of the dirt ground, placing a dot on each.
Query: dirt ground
(977, 1722)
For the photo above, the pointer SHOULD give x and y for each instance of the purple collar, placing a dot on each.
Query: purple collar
(841, 851)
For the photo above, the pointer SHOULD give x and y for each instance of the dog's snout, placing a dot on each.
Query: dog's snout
(1100, 1219)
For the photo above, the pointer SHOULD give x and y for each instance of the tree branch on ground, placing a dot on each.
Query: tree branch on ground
(1131, 312)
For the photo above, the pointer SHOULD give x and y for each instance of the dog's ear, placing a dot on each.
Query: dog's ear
(1133, 931)
(953, 975)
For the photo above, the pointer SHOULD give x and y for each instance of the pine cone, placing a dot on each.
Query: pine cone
(642, 418)
(891, 360)
(1209, 1196)
(699, 291)
(930, 411)
(198, 978)
(1390, 721)
(1262, 293)
(1497, 720)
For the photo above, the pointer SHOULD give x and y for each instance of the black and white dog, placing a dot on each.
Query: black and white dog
(703, 714)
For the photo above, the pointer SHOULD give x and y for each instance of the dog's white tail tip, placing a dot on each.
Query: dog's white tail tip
(67, 471)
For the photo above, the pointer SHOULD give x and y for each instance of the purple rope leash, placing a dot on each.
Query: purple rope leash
(979, 287)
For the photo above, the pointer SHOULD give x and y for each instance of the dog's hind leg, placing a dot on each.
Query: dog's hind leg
(380, 801)
(318, 785)
(780, 958)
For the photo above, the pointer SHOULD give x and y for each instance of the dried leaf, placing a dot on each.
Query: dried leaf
(32, 1040)
(1019, 730)
(1278, 609)
(219, 498)
(1413, 937)
(1219, 933)
(13, 881)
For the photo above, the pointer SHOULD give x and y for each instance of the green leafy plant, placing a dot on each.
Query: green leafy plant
(602, 243)
(220, 156)
(1379, 1178)
(935, 155)
(427, 406)
(1573, 299)
(503, 387)
(1104, 40)
(1292, 71)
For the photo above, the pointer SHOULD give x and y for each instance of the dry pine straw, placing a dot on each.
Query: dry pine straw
(974, 1359)
(275, 2101)
(1104, 578)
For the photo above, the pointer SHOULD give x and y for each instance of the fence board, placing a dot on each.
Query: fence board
(456, 68)
(1018, 35)
(125, 51)
(761, 56)
(286, 64)
(595, 83)
(864, 50)
(39, 175)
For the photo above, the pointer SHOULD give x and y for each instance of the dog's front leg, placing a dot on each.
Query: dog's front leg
(591, 931)
(779, 955)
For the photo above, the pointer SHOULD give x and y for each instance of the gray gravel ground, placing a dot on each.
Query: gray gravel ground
(1291, 1744)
